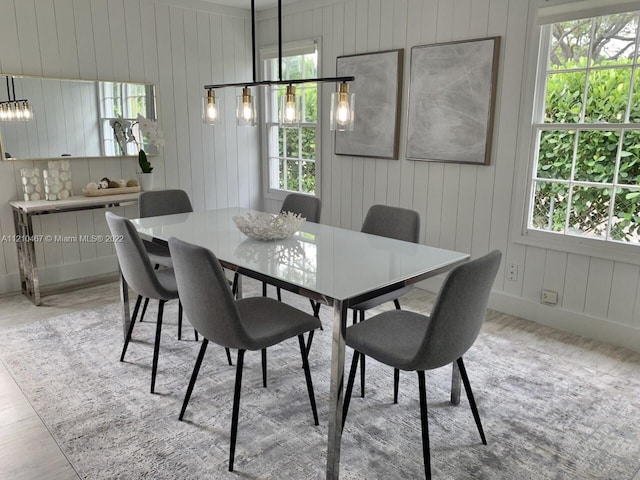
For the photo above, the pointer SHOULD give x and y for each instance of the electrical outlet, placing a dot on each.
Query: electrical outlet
(512, 272)
(549, 297)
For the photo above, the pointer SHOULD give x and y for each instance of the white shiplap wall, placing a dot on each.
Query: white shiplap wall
(462, 207)
(178, 45)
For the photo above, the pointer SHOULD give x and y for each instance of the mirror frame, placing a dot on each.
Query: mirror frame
(79, 157)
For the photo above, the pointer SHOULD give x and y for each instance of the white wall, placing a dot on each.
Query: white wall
(462, 207)
(179, 45)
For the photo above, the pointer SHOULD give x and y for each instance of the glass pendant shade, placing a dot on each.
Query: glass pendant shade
(342, 103)
(245, 109)
(290, 107)
(210, 109)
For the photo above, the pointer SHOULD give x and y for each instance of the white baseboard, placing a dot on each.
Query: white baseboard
(62, 273)
(554, 316)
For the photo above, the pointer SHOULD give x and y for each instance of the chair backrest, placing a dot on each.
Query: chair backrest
(206, 296)
(163, 202)
(393, 222)
(306, 205)
(133, 259)
(458, 312)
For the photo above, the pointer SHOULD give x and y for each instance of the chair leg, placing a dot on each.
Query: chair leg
(194, 376)
(228, 356)
(362, 363)
(279, 293)
(396, 372)
(316, 310)
(347, 395)
(264, 289)
(195, 334)
(236, 409)
(307, 376)
(264, 367)
(130, 330)
(144, 308)
(179, 320)
(426, 454)
(234, 285)
(396, 383)
(472, 401)
(309, 340)
(156, 346)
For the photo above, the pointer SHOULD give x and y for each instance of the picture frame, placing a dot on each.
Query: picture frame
(451, 101)
(378, 97)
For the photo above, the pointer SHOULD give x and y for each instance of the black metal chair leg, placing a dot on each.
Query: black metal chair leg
(194, 376)
(234, 285)
(144, 308)
(396, 383)
(179, 320)
(264, 367)
(472, 401)
(396, 302)
(279, 294)
(195, 334)
(264, 289)
(130, 330)
(236, 409)
(307, 376)
(309, 341)
(228, 356)
(316, 310)
(426, 454)
(347, 395)
(156, 346)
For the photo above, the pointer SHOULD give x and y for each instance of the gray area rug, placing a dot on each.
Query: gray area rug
(544, 418)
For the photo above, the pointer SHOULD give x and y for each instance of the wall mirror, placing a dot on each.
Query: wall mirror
(71, 118)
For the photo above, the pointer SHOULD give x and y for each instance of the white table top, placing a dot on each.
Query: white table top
(333, 262)
(77, 202)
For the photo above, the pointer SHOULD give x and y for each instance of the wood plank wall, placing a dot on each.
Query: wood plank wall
(179, 49)
(466, 208)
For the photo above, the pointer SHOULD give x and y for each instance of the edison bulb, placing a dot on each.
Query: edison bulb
(290, 111)
(343, 113)
(212, 111)
(247, 111)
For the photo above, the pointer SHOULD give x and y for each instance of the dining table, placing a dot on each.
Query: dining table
(331, 265)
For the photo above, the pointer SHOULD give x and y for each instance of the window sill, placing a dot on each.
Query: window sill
(616, 252)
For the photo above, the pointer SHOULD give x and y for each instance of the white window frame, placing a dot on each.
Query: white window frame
(268, 53)
(535, 74)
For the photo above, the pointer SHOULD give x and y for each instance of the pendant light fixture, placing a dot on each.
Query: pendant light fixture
(210, 109)
(15, 110)
(289, 101)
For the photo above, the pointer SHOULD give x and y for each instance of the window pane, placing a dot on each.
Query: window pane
(310, 103)
(564, 97)
(555, 154)
(308, 142)
(569, 44)
(589, 212)
(309, 177)
(282, 173)
(634, 110)
(281, 134)
(607, 95)
(310, 61)
(629, 170)
(293, 176)
(614, 39)
(625, 224)
(596, 156)
(292, 148)
(550, 206)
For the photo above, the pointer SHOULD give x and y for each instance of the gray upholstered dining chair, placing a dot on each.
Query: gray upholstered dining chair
(413, 342)
(247, 324)
(400, 224)
(153, 204)
(142, 278)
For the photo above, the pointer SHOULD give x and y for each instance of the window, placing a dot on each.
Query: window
(292, 150)
(126, 101)
(586, 175)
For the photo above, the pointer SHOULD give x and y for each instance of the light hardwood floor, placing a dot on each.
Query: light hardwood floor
(29, 452)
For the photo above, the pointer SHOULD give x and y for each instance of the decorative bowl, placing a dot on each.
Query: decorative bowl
(265, 226)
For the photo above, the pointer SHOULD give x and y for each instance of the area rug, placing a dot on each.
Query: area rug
(544, 419)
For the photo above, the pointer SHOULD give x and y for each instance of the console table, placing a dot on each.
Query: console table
(23, 213)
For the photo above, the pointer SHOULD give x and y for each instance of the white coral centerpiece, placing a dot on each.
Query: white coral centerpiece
(265, 226)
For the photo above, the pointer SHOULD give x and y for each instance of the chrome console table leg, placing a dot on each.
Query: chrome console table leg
(25, 244)
(336, 391)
